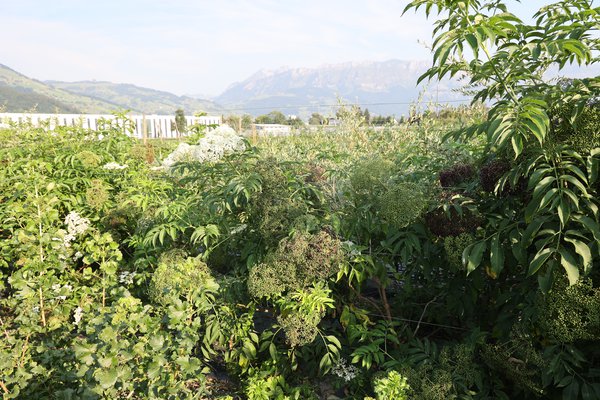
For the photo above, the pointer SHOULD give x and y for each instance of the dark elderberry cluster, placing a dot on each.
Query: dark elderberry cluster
(490, 174)
(444, 225)
(457, 174)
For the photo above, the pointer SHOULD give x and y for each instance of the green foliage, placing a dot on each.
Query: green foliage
(239, 122)
(441, 374)
(274, 387)
(351, 117)
(369, 179)
(260, 273)
(299, 329)
(97, 195)
(510, 58)
(580, 132)
(127, 351)
(274, 117)
(316, 119)
(454, 247)
(518, 360)
(180, 122)
(179, 278)
(391, 386)
(278, 204)
(380, 120)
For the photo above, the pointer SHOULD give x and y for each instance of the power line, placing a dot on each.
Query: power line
(339, 105)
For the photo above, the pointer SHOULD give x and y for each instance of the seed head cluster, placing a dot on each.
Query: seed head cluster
(297, 262)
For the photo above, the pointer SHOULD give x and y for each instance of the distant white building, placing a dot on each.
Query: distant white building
(333, 122)
(272, 129)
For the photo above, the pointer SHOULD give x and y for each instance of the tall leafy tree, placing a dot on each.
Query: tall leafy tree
(506, 60)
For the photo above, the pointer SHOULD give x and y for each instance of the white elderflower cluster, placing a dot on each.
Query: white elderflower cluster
(344, 371)
(214, 145)
(76, 225)
(113, 165)
(58, 289)
(183, 153)
(77, 315)
(239, 229)
(98, 137)
(126, 277)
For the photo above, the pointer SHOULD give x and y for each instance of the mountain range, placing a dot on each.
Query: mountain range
(136, 98)
(385, 88)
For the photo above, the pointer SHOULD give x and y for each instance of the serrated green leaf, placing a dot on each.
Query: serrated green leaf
(571, 392)
(273, 352)
(564, 211)
(473, 255)
(517, 144)
(539, 260)
(583, 250)
(473, 42)
(326, 363)
(591, 225)
(334, 340)
(569, 263)
(496, 255)
(548, 197)
(542, 185)
(575, 182)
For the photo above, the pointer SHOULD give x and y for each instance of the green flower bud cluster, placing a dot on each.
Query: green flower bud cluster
(177, 276)
(403, 204)
(299, 329)
(369, 179)
(98, 194)
(274, 209)
(454, 247)
(584, 134)
(572, 313)
(88, 159)
(297, 262)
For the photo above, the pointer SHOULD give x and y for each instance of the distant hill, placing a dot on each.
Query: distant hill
(23, 100)
(137, 98)
(20, 93)
(382, 87)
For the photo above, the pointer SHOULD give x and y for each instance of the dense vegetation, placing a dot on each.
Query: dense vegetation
(457, 258)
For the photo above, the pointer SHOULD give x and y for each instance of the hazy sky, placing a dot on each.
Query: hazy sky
(202, 46)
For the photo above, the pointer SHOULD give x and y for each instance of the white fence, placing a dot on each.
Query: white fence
(155, 126)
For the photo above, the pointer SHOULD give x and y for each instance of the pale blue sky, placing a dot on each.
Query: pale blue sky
(202, 46)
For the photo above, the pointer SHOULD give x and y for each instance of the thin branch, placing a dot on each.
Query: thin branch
(423, 314)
